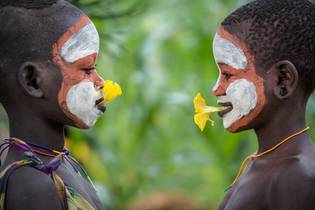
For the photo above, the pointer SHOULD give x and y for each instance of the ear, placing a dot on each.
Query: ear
(287, 79)
(30, 78)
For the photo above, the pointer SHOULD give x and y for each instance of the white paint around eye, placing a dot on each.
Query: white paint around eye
(81, 44)
(81, 100)
(226, 52)
(242, 94)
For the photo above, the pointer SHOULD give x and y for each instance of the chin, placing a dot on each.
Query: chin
(82, 126)
(240, 125)
(86, 125)
(78, 123)
(236, 129)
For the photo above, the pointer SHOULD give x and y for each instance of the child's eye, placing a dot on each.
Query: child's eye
(88, 71)
(226, 75)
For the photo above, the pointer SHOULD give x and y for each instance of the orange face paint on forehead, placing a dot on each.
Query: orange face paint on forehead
(75, 53)
(230, 74)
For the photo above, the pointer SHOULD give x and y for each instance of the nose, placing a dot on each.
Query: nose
(218, 91)
(219, 88)
(98, 80)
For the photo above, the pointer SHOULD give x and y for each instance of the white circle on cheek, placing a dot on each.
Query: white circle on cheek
(81, 102)
(242, 94)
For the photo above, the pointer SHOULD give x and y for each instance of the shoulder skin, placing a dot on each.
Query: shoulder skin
(29, 188)
(293, 186)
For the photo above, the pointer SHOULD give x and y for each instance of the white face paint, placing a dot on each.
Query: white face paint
(81, 102)
(242, 94)
(83, 43)
(226, 52)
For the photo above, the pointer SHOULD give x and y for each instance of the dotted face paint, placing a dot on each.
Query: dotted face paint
(75, 53)
(238, 82)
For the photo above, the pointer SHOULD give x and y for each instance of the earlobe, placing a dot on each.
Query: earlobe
(287, 79)
(29, 77)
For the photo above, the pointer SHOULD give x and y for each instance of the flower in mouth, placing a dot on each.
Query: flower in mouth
(203, 112)
(110, 91)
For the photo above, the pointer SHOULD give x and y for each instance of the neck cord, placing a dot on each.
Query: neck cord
(55, 153)
(254, 156)
(24, 145)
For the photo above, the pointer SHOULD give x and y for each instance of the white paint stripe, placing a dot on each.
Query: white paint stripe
(83, 43)
(226, 52)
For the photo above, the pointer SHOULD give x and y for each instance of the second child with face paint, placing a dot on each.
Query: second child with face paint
(265, 79)
(58, 84)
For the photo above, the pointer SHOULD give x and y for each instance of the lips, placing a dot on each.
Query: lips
(228, 107)
(102, 108)
(98, 101)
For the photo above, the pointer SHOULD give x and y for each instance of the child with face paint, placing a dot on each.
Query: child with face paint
(265, 56)
(48, 79)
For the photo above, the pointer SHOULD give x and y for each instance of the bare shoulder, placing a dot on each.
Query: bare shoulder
(293, 185)
(29, 188)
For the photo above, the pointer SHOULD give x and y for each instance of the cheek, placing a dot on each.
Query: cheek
(81, 96)
(68, 82)
(81, 100)
(222, 82)
(243, 95)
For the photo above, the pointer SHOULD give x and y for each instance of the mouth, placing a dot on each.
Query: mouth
(102, 108)
(228, 107)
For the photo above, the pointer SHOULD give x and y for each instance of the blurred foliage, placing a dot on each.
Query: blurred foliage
(160, 53)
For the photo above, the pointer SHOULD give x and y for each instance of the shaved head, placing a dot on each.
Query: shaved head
(276, 30)
(28, 32)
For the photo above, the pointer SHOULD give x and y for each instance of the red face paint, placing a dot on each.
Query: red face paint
(229, 74)
(80, 70)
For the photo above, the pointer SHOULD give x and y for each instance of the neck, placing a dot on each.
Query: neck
(29, 127)
(280, 127)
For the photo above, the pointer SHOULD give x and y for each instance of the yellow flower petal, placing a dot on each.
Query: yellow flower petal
(201, 120)
(110, 90)
(199, 103)
(203, 112)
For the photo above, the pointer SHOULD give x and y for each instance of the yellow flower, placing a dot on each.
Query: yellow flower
(110, 91)
(203, 111)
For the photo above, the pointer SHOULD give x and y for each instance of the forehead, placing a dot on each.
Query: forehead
(226, 52)
(79, 41)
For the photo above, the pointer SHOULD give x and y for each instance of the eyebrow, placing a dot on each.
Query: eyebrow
(226, 52)
(81, 44)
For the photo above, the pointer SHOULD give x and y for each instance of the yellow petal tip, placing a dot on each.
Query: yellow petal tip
(111, 91)
(203, 112)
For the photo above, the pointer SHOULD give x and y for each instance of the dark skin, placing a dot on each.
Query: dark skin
(285, 178)
(34, 115)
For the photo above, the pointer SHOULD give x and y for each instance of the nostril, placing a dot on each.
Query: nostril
(99, 86)
(219, 92)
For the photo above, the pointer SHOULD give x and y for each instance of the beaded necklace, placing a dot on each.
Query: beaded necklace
(30, 152)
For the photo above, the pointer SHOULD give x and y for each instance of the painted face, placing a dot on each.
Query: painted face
(238, 84)
(75, 53)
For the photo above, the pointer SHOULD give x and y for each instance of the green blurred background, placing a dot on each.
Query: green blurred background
(160, 51)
